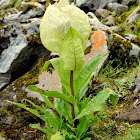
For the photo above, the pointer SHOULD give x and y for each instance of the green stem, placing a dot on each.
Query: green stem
(72, 92)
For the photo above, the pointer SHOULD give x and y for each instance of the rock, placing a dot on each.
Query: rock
(127, 2)
(133, 16)
(131, 115)
(26, 11)
(137, 83)
(2, 138)
(119, 8)
(93, 5)
(23, 49)
(96, 24)
(99, 46)
(4, 3)
(12, 53)
(109, 21)
(130, 37)
(101, 13)
(9, 56)
(47, 81)
(124, 50)
(4, 79)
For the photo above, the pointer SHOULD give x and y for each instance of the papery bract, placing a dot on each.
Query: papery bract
(57, 20)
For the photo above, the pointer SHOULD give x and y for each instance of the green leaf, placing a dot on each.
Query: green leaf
(51, 120)
(35, 89)
(72, 53)
(104, 95)
(47, 101)
(36, 106)
(45, 67)
(69, 99)
(41, 129)
(97, 103)
(63, 74)
(33, 111)
(87, 138)
(82, 127)
(87, 72)
(57, 136)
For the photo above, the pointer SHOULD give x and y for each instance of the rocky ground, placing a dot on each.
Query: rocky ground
(115, 29)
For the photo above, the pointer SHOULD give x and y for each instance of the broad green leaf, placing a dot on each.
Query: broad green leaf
(72, 53)
(41, 129)
(51, 120)
(69, 99)
(87, 72)
(91, 107)
(57, 136)
(82, 127)
(60, 105)
(97, 103)
(63, 74)
(83, 104)
(67, 112)
(104, 95)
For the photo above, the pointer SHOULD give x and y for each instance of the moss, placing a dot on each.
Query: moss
(22, 118)
(136, 40)
(120, 50)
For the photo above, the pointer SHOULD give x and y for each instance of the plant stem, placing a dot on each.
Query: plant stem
(72, 92)
(71, 83)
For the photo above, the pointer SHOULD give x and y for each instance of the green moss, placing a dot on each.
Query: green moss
(136, 40)
(120, 50)
(22, 118)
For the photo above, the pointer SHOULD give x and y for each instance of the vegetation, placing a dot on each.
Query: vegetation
(103, 123)
(70, 119)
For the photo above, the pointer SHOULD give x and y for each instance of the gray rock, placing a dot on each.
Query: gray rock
(109, 21)
(132, 115)
(26, 11)
(130, 37)
(4, 79)
(93, 5)
(127, 2)
(123, 49)
(5, 3)
(101, 13)
(137, 83)
(133, 16)
(23, 50)
(119, 8)
(47, 81)
(96, 24)
(12, 53)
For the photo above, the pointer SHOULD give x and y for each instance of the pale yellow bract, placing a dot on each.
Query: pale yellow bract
(57, 20)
